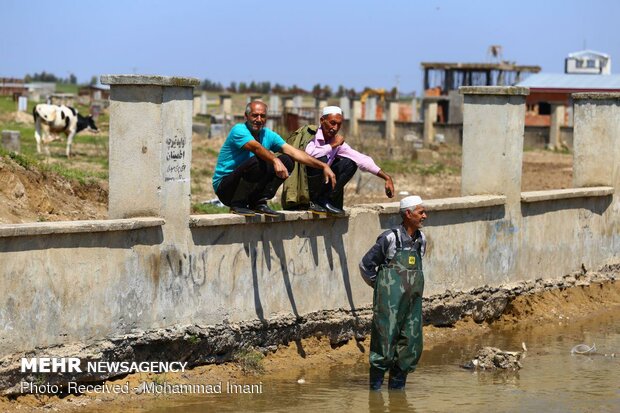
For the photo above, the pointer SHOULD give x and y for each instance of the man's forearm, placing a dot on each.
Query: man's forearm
(302, 157)
(263, 153)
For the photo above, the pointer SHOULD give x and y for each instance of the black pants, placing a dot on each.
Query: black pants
(343, 168)
(253, 182)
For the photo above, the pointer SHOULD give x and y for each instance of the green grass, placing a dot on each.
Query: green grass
(31, 163)
(199, 208)
(393, 166)
(66, 88)
(250, 360)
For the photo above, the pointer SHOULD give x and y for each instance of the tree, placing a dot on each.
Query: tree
(326, 92)
(93, 80)
(233, 87)
(317, 91)
(341, 91)
(394, 93)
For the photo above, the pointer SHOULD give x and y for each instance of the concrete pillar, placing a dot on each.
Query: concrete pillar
(370, 110)
(415, 114)
(557, 120)
(22, 104)
(493, 129)
(345, 105)
(203, 103)
(274, 105)
(321, 104)
(11, 140)
(298, 102)
(390, 118)
(287, 103)
(355, 117)
(596, 140)
(429, 106)
(151, 149)
(226, 104)
(196, 106)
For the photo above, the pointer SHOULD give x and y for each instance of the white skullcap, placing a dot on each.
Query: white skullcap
(328, 110)
(410, 202)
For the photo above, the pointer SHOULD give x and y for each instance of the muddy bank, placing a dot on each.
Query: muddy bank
(199, 345)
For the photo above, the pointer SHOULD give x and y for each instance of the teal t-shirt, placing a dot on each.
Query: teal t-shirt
(232, 154)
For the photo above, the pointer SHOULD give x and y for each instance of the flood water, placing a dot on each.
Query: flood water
(552, 380)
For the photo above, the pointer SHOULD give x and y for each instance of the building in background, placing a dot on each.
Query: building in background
(587, 62)
(442, 82)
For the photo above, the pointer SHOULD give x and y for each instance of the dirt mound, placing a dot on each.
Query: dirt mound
(29, 193)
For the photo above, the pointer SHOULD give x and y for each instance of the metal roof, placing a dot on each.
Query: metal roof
(480, 66)
(588, 53)
(572, 81)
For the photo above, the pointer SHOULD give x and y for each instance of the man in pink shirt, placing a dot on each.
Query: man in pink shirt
(330, 147)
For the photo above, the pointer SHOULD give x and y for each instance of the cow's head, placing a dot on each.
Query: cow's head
(86, 122)
(91, 124)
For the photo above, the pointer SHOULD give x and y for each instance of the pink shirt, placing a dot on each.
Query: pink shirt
(318, 148)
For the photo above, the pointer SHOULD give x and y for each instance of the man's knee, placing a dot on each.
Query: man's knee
(287, 161)
(310, 171)
(347, 166)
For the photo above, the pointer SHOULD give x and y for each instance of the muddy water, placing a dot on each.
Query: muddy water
(552, 380)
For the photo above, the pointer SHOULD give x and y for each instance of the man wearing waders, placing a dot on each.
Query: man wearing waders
(393, 267)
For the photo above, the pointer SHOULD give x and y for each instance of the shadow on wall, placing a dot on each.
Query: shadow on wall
(450, 217)
(116, 239)
(272, 239)
(596, 205)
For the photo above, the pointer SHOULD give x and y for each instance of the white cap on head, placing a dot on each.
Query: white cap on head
(328, 110)
(410, 202)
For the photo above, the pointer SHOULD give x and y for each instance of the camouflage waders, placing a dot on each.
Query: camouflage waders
(396, 335)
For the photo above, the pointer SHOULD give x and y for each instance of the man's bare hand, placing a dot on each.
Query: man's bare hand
(337, 141)
(389, 188)
(280, 169)
(329, 175)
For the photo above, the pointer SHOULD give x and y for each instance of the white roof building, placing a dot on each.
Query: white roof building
(588, 62)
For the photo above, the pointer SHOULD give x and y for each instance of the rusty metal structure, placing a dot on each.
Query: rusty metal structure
(451, 76)
(442, 81)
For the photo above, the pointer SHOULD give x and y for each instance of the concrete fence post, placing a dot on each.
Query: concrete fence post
(226, 104)
(596, 140)
(557, 120)
(390, 121)
(493, 129)
(429, 107)
(151, 149)
(345, 105)
(204, 107)
(356, 114)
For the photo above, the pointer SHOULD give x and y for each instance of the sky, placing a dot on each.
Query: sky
(359, 43)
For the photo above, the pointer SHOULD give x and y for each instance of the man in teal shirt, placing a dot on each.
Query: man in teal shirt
(248, 173)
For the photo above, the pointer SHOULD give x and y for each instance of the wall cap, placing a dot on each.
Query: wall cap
(494, 90)
(550, 195)
(75, 227)
(151, 80)
(596, 96)
(214, 220)
(446, 204)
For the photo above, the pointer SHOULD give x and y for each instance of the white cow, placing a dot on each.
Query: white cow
(59, 119)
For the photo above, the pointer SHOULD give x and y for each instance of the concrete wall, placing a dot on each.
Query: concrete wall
(80, 282)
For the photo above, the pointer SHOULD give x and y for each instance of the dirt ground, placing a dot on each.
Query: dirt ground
(36, 192)
(547, 311)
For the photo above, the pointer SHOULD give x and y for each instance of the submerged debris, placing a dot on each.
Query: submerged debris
(491, 358)
(583, 349)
